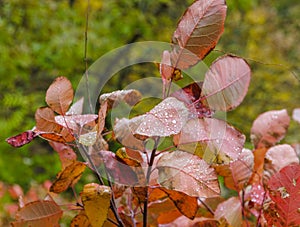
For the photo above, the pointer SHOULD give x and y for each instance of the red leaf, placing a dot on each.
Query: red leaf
(211, 139)
(165, 119)
(190, 95)
(226, 83)
(277, 157)
(22, 138)
(59, 95)
(231, 210)
(101, 117)
(187, 173)
(198, 32)
(269, 128)
(284, 190)
(296, 115)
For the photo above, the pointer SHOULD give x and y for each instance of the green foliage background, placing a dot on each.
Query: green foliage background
(43, 39)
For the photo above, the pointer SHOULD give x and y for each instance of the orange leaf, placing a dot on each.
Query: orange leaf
(59, 95)
(68, 177)
(45, 120)
(38, 213)
(96, 202)
(187, 205)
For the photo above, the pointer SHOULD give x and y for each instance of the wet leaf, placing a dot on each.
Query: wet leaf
(131, 97)
(277, 157)
(88, 139)
(165, 119)
(197, 222)
(76, 108)
(96, 202)
(231, 210)
(80, 220)
(187, 173)
(269, 128)
(124, 130)
(22, 138)
(38, 213)
(198, 32)
(258, 169)
(66, 154)
(59, 95)
(226, 83)
(45, 120)
(68, 177)
(75, 122)
(284, 189)
(211, 139)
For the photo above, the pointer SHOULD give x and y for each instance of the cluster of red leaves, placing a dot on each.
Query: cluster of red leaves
(178, 185)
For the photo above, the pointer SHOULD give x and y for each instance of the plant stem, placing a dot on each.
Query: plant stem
(149, 170)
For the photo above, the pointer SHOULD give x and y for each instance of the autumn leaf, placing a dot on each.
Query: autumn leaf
(59, 95)
(45, 120)
(131, 97)
(187, 205)
(278, 157)
(197, 32)
(68, 177)
(284, 189)
(80, 220)
(22, 138)
(165, 119)
(269, 128)
(96, 203)
(38, 213)
(211, 139)
(187, 173)
(226, 83)
(66, 154)
(75, 122)
(76, 108)
(231, 210)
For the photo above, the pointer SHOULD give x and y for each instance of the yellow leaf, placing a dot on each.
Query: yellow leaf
(96, 202)
(80, 220)
(68, 177)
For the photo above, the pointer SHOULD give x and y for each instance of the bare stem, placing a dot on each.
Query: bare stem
(149, 170)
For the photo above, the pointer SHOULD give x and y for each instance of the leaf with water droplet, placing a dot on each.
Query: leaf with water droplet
(165, 119)
(187, 173)
(88, 139)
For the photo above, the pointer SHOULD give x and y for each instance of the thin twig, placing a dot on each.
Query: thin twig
(206, 206)
(149, 170)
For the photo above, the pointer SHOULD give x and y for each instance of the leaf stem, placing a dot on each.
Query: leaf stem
(149, 170)
(206, 206)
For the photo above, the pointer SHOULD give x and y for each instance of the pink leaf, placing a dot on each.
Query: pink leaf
(187, 173)
(22, 138)
(269, 128)
(165, 119)
(198, 32)
(66, 154)
(226, 83)
(231, 210)
(76, 108)
(211, 139)
(284, 190)
(59, 95)
(75, 121)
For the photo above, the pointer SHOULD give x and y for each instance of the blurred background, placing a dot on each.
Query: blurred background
(43, 39)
